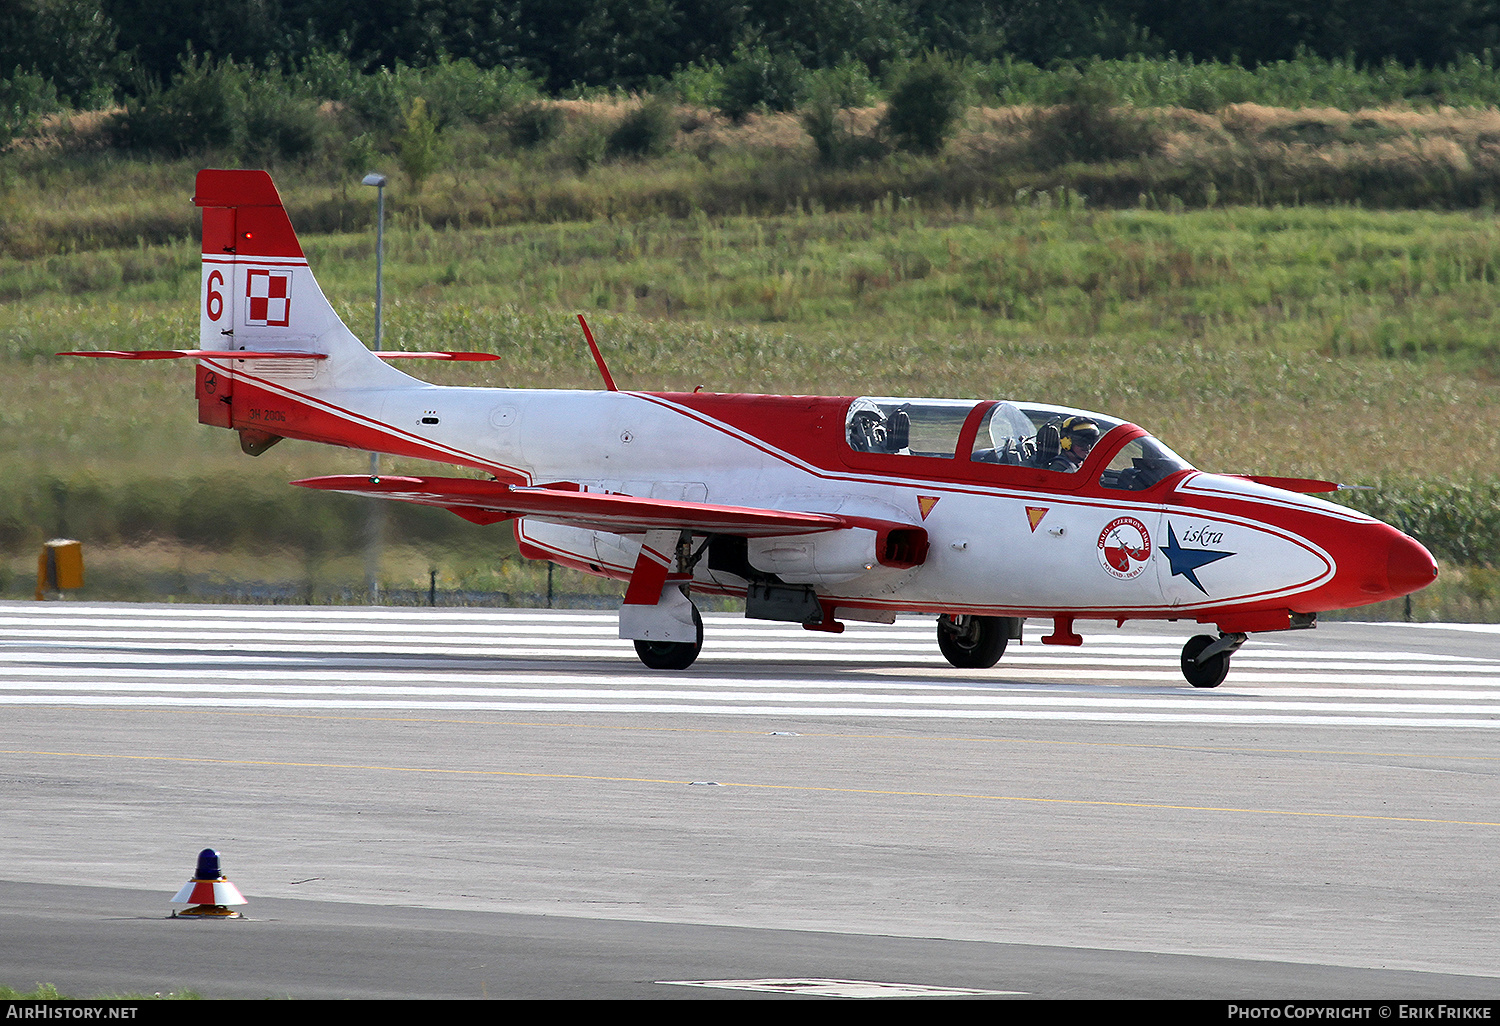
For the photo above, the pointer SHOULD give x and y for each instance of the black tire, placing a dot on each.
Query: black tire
(672, 655)
(973, 642)
(1208, 674)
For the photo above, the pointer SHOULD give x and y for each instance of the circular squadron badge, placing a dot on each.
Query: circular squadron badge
(1124, 547)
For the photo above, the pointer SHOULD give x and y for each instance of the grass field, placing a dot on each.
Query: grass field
(1337, 342)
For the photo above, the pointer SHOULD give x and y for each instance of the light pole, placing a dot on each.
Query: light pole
(376, 523)
(378, 181)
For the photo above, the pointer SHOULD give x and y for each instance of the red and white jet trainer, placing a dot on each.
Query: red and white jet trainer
(812, 509)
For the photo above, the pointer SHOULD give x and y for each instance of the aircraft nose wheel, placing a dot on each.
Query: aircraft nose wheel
(1205, 660)
(672, 655)
(972, 642)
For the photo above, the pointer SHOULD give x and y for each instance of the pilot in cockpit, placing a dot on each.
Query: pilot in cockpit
(867, 428)
(871, 430)
(1065, 444)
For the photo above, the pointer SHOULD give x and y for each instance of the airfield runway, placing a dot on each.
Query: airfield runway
(474, 802)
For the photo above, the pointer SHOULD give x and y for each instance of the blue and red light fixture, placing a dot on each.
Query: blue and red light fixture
(209, 891)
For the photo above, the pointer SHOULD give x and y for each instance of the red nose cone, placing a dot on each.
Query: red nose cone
(1409, 567)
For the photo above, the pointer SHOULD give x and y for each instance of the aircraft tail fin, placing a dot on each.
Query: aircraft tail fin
(258, 293)
(275, 360)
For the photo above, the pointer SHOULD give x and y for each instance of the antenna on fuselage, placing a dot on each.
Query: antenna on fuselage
(609, 382)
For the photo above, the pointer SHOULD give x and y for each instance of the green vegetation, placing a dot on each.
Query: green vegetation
(86, 49)
(927, 100)
(756, 80)
(530, 160)
(645, 131)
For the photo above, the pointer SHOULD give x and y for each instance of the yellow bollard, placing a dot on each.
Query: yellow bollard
(59, 566)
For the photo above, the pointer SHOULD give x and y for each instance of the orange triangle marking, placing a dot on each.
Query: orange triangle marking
(1035, 514)
(925, 504)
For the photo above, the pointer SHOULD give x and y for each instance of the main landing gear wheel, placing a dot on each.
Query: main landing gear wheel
(972, 642)
(1209, 673)
(672, 655)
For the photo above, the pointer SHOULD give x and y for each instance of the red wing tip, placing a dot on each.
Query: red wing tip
(334, 482)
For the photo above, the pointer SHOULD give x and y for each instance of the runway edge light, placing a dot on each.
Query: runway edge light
(209, 891)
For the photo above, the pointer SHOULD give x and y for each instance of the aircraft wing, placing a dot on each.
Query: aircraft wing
(487, 502)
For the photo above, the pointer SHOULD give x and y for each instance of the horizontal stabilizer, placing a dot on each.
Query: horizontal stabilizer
(620, 514)
(198, 354)
(284, 354)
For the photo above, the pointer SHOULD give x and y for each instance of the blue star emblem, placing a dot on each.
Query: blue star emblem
(1186, 561)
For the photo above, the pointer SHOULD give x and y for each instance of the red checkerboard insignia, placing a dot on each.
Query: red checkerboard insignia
(268, 296)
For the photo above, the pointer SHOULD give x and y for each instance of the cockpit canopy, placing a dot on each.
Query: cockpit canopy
(1051, 438)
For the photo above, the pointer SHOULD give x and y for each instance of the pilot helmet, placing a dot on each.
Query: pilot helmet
(1078, 435)
(866, 426)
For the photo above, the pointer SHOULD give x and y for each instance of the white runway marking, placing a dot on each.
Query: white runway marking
(838, 988)
(463, 661)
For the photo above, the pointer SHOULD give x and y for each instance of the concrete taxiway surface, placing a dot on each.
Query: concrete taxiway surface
(515, 786)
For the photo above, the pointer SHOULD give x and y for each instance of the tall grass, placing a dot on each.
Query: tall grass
(1305, 81)
(57, 200)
